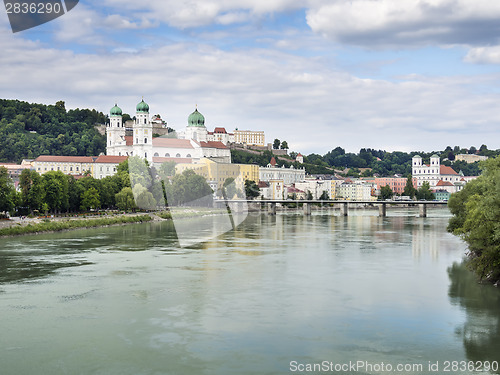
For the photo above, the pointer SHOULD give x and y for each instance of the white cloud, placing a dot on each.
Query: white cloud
(373, 23)
(293, 98)
(484, 55)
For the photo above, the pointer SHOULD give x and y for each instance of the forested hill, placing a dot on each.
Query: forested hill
(28, 130)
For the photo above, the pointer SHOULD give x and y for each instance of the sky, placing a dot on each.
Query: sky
(395, 75)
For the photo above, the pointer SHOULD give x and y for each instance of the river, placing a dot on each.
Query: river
(278, 295)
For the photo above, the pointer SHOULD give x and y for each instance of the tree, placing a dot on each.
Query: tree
(409, 189)
(251, 189)
(125, 199)
(55, 185)
(324, 196)
(189, 187)
(424, 192)
(90, 199)
(276, 144)
(31, 189)
(386, 192)
(284, 145)
(309, 196)
(476, 218)
(229, 188)
(6, 191)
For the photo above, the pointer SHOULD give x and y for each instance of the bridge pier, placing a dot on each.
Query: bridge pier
(307, 209)
(423, 210)
(382, 210)
(343, 209)
(271, 208)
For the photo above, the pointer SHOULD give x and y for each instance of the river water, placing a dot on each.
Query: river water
(278, 295)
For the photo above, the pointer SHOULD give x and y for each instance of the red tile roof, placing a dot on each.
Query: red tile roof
(263, 184)
(172, 143)
(111, 159)
(447, 170)
(444, 183)
(220, 131)
(212, 144)
(273, 161)
(65, 159)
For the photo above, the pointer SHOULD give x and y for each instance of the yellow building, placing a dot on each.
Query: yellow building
(249, 137)
(216, 173)
(75, 165)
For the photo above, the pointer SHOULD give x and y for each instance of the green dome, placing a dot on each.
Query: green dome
(196, 119)
(115, 111)
(142, 107)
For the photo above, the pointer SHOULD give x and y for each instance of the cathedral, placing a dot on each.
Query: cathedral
(195, 142)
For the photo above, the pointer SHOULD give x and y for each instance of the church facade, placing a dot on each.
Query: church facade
(198, 143)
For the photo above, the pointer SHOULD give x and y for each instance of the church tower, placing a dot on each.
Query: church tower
(143, 132)
(115, 133)
(196, 127)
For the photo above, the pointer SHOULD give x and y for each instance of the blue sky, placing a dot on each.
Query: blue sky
(386, 74)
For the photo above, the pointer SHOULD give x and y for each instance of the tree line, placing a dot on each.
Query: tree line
(28, 130)
(476, 219)
(135, 185)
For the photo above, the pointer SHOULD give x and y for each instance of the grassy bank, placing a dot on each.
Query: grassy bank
(56, 226)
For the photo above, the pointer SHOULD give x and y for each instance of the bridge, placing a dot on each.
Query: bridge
(237, 204)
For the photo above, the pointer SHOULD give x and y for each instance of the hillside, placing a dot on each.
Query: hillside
(367, 162)
(28, 130)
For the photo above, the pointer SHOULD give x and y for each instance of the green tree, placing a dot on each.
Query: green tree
(276, 144)
(125, 199)
(476, 218)
(31, 189)
(424, 192)
(251, 189)
(229, 188)
(386, 192)
(143, 197)
(284, 145)
(90, 199)
(324, 196)
(55, 185)
(409, 189)
(189, 187)
(6, 191)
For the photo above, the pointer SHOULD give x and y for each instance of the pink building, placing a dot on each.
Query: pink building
(397, 184)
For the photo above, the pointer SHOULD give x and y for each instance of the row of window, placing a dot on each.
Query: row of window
(167, 155)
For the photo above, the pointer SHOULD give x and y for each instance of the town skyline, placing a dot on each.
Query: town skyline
(416, 81)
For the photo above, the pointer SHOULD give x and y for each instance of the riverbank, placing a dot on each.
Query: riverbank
(60, 224)
(20, 226)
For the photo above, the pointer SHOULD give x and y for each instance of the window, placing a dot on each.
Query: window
(178, 155)
(137, 140)
(156, 154)
(145, 140)
(167, 155)
(77, 169)
(71, 169)
(145, 154)
(188, 155)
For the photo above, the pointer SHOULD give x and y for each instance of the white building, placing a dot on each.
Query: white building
(432, 172)
(470, 158)
(106, 165)
(195, 145)
(289, 176)
(355, 192)
(317, 187)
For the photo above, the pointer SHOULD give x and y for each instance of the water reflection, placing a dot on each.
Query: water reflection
(481, 331)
